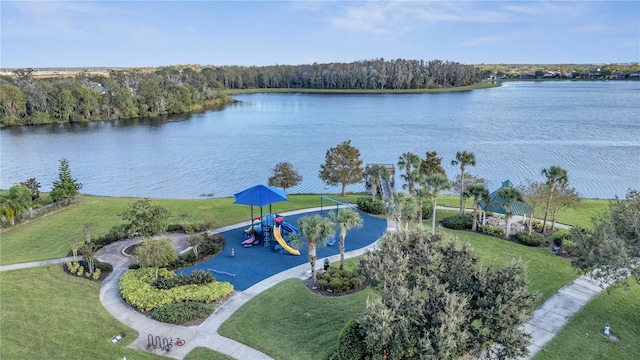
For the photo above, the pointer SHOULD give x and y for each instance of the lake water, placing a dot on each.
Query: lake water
(590, 128)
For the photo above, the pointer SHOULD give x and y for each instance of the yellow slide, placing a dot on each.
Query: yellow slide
(280, 240)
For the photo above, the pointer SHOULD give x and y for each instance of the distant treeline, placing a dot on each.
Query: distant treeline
(133, 93)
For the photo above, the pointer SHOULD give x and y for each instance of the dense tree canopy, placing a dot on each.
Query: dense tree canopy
(342, 166)
(437, 303)
(284, 176)
(131, 93)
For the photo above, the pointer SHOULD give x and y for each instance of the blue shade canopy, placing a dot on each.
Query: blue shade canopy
(260, 195)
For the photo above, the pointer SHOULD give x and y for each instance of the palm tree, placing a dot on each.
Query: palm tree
(422, 193)
(15, 202)
(317, 230)
(478, 191)
(375, 174)
(436, 183)
(410, 162)
(345, 219)
(508, 195)
(463, 159)
(555, 176)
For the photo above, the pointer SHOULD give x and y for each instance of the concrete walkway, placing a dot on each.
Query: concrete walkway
(543, 325)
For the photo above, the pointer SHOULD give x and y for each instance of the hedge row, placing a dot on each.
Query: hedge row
(136, 288)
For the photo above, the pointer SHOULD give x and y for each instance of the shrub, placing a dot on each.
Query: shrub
(536, 225)
(366, 204)
(337, 280)
(351, 342)
(458, 222)
(534, 239)
(200, 277)
(491, 230)
(136, 288)
(179, 313)
(427, 210)
(570, 247)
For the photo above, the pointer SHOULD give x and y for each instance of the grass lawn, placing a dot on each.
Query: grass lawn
(290, 322)
(49, 237)
(581, 338)
(202, 353)
(47, 314)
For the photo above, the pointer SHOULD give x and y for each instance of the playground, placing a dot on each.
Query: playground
(253, 252)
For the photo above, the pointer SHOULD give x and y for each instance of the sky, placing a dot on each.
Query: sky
(161, 33)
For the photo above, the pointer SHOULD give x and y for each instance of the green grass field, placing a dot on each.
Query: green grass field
(47, 314)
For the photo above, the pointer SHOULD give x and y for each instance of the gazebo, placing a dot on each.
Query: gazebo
(496, 204)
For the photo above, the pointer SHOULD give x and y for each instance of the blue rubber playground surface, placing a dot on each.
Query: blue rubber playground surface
(251, 265)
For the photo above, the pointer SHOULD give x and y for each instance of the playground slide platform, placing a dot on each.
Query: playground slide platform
(290, 228)
(280, 240)
(250, 241)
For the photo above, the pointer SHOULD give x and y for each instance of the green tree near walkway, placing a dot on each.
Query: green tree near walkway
(435, 302)
(284, 176)
(436, 183)
(342, 166)
(613, 245)
(88, 251)
(156, 253)
(66, 187)
(478, 192)
(345, 219)
(15, 203)
(145, 219)
(317, 230)
(508, 195)
(555, 176)
(374, 174)
(463, 159)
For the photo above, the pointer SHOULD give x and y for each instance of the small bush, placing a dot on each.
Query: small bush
(200, 277)
(491, 230)
(337, 280)
(458, 222)
(534, 239)
(427, 210)
(536, 225)
(179, 313)
(570, 247)
(351, 344)
(366, 204)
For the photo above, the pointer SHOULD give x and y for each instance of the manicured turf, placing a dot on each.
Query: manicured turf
(581, 338)
(47, 314)
(290, 322)
(201, 353)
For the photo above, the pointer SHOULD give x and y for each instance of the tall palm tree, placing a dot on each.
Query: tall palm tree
(436, 183)
(410, 162)
(555, 175)
(422, 193)
(317, 230)
(375, 174)
(478, 191)
(463, 159)
(508, 195)
(345, 219)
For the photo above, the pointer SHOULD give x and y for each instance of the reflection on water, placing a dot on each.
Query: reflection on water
(592, 129)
